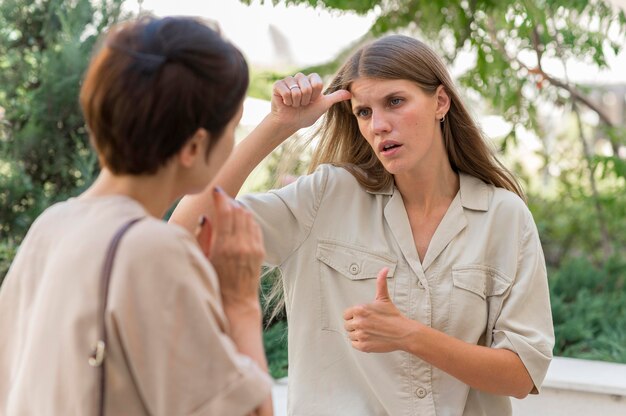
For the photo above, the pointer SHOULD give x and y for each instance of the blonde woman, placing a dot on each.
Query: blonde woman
(413, 274)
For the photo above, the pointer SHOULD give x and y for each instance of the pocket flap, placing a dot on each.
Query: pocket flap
(471, 279)
(481, 280)
(355, 263)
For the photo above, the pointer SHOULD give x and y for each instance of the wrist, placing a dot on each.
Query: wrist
(244, 307)
(280, 131)
(413, 337)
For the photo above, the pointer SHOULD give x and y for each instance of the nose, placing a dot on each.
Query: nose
(379, 123)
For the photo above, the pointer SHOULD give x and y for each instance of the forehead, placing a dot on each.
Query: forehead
(368, 89)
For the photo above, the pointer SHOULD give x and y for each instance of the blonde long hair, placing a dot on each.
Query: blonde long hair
(402, 57)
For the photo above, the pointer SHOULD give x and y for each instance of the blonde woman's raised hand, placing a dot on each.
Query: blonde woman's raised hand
(298, 101)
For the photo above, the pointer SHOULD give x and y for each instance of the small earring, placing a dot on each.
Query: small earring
(442, 119)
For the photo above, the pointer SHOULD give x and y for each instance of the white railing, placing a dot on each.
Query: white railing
(572, 387)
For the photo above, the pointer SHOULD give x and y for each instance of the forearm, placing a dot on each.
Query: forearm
(245, 329)
(496, 371)
(244, 158)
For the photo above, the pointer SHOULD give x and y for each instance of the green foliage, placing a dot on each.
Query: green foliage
(274, 322)
(569, 227)
(44, 50)
(275, 342)
(589, 310)
(261, 84)
(358, 6)
(8, 248)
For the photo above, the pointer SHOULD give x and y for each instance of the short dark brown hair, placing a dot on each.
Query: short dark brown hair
(153, 84)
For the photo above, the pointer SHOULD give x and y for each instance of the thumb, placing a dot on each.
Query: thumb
(335, 97)
(382, 293)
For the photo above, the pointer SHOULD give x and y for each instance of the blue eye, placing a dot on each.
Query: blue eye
(395, 101)
(363, 112)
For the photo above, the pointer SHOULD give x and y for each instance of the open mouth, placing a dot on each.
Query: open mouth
(388, 147)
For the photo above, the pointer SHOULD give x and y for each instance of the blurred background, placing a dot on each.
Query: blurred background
(546, 79)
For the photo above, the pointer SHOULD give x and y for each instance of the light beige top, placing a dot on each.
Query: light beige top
(483, 280)
(168, 352)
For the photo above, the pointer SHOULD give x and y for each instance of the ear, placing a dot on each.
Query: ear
(194, 148)
(443, 102)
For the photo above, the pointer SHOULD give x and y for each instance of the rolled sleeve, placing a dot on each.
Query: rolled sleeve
(524, 325)
(286, 215)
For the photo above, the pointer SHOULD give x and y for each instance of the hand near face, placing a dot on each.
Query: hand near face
(378, 326)
(234, 244)
(298, 101)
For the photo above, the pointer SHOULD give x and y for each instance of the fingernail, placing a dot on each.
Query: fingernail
(218, 189)
(202, 220)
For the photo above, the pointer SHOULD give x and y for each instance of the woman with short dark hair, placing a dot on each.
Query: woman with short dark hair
(106, 308)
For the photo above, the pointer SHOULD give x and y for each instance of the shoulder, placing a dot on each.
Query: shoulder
(325, 179)
(336, 177)
(480, 196)
(164, 247)
(45, 227)
(499, 206)
(151, 236)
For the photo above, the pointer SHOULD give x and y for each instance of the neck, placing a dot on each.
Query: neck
(156, 193)
(425, 191)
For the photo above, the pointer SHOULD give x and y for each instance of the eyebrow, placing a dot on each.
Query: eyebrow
(385, 98)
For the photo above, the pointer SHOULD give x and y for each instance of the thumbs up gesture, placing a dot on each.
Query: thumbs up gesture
(378, 326)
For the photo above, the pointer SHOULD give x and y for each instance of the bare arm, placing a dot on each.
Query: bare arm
(292, 109)
(380, 327)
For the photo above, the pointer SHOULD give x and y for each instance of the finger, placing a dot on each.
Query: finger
(305, 88)
(204, 235)
(317, 86)
(349, 325)
(294, 91)
(382, 293)
(223, 221)
(348, 314)
(239, 219)
(281, 90)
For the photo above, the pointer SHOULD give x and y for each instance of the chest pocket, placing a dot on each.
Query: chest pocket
(476, 301)
(348, 278)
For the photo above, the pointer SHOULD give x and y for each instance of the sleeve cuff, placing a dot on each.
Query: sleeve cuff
(536, 357)
(241, 396)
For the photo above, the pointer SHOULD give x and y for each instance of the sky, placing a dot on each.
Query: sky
(308, 36)
(311, 36)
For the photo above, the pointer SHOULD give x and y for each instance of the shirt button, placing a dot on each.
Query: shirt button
(420, 392)
(354, 268)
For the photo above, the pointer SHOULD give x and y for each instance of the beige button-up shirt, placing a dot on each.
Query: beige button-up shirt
(483, 280)
(168, 352)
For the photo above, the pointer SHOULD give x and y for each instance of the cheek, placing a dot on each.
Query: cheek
(363, 130)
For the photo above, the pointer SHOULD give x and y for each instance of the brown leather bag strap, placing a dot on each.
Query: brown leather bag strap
(98, 355)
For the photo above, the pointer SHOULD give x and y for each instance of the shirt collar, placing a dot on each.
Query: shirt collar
(474, 193)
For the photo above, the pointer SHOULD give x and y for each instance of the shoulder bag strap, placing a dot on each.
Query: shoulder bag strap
(97, 356)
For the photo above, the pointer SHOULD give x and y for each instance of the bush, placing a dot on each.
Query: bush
(275, 323)
(589, 310)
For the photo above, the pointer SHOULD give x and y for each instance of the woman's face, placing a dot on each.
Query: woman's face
(400, 122)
